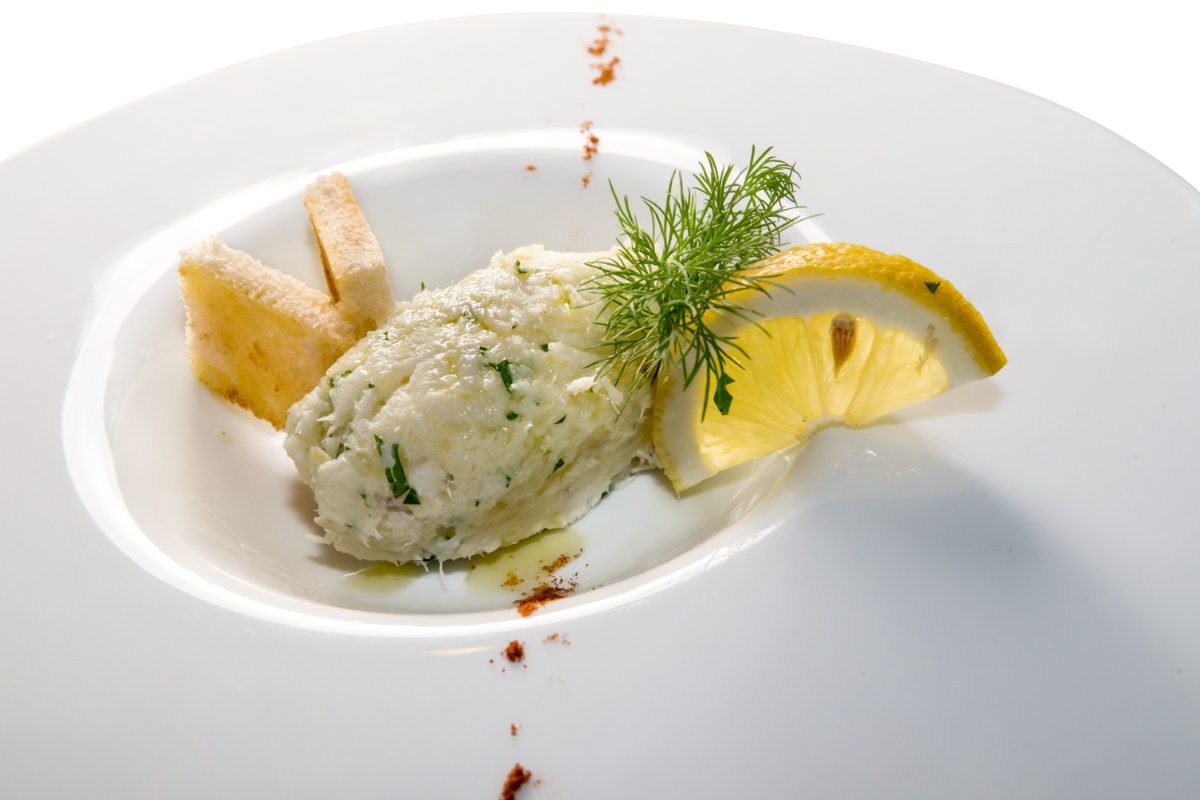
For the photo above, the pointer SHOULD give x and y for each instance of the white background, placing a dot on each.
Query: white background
(1132, 67)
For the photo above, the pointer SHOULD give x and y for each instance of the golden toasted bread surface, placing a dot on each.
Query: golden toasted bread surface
(350, 253)
(256, 336)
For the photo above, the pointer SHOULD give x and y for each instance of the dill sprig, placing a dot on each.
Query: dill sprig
(663, 279)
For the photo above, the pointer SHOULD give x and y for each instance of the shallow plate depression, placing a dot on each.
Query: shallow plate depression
(201, 493)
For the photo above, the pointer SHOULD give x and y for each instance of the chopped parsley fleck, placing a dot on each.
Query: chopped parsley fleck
(722, 399)
(449, 477)
(477, 504)
(363, 494)
(507, 481)
(333, 382)
(932, 286)
(341, 449)
(482, 349)
(502, 367)
(545, 348)
(511, 415)
(519, 270)
(422, 286)
(387, 336)
(557, 466)
(560, 420)
(370, 386)
(469, 313)
(393, 470)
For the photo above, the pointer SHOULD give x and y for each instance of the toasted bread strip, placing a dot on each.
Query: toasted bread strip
(354, 267)
(256, 336)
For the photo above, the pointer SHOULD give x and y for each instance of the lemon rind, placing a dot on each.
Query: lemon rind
(808, 280)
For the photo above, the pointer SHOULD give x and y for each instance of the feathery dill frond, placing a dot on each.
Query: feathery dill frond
(686, 261)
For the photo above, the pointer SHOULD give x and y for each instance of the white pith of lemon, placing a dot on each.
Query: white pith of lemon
(847, 335)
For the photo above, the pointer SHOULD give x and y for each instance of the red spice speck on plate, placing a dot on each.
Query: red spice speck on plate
(606, 71)
(531, 167)
(515, 651)
(559, 562)
(599, 45)
(518, 776)
(555, 589)
(591, 142)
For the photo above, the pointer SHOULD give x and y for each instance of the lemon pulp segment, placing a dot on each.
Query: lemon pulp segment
(847, 335)
(790, 383)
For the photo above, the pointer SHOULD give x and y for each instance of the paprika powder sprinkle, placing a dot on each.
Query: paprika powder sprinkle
(518, 776)
(556, 589)
(515, 651)
(599, 46)
(560, 562)
(607, 71)
(591, 142)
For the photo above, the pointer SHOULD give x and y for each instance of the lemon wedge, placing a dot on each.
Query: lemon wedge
(847, 335)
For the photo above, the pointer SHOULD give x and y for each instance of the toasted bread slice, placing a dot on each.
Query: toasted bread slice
(354, 267)
(256, 336)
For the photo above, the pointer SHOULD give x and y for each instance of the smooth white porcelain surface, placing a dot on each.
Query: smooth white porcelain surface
(991, 595)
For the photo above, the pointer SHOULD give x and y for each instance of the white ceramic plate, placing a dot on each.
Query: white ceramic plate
(993, 595)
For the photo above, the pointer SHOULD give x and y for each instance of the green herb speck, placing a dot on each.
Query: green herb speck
(511, 415)
(932, 286)
(557, 466)
(545, 348)
(502, 367)
(560, 420)
(393, 470)
(722, 399)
